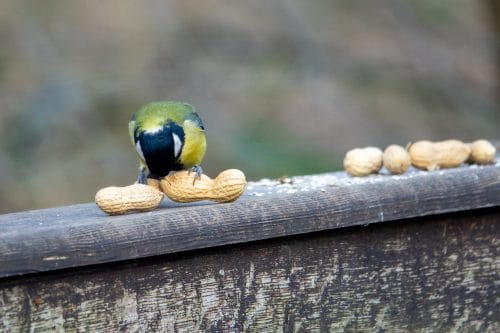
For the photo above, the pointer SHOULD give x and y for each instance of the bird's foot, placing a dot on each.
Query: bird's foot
(142, 177)
(198, 172)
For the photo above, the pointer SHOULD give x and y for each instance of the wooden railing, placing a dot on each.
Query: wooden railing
(415, 252)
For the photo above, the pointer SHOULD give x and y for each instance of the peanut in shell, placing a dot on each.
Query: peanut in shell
(430, 156)
(482, 152)
(133, 198)
(396, 159)
(181, 186)
(361, 162)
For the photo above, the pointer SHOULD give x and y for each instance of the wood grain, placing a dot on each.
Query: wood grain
(433, 274)
(81, 235)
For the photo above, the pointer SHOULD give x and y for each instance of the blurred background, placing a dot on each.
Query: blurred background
(284, 87)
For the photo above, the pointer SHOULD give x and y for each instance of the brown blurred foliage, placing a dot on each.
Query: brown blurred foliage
(284, 87)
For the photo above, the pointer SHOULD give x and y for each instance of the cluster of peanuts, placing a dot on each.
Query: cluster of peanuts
(425, 155)
(180, 186)
(230, 184)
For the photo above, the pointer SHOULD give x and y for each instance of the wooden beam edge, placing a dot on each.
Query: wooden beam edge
(37, 245)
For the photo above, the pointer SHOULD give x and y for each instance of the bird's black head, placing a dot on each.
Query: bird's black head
(161, 148)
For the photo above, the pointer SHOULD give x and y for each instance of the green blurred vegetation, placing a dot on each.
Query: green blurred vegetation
(284, 87)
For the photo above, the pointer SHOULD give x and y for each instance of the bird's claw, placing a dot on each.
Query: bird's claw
(142, 177)
(198, 172)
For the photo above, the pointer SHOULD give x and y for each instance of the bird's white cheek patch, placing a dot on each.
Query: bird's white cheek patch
(139, 150)
(154, 130)
(177, 144)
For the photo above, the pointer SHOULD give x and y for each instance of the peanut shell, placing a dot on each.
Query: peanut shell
(482, 152)
(361, 162)
(228, 185)
(154, 183)
(396, 159)
(133, 198)
(430, 156)
(181, 186)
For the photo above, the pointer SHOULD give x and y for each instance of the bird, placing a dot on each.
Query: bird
(168, 136)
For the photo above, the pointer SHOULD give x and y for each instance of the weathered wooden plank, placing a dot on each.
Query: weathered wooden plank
(82, 235)
(434, 274)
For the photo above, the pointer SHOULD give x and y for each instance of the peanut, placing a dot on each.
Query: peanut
(133, 198)
(363, 161)
(429, 155)
(396, 159)
(226, 187)
(154, 183)
(482, 152)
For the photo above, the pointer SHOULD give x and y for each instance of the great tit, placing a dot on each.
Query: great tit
(168, 136)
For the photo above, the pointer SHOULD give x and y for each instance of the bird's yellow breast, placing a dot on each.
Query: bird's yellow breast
(195, 145)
